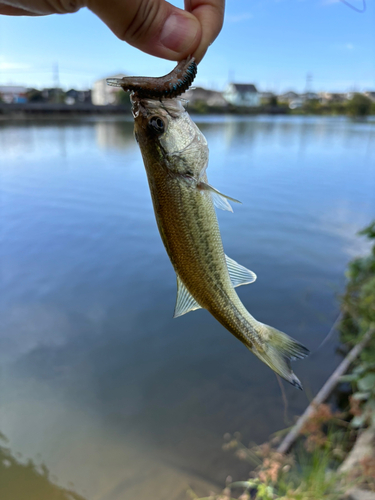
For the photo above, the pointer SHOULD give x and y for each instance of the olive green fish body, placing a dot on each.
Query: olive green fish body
(190, 232)
(175, 155)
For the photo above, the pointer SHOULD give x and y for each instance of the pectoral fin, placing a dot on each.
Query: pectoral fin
(185, 301)
(220, 200)
(239, 275)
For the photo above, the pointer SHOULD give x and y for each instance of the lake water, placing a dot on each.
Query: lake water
(98, 382)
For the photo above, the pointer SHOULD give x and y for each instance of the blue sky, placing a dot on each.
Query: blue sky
(272, 43)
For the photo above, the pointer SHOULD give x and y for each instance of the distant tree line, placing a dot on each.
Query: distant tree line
(358, 106)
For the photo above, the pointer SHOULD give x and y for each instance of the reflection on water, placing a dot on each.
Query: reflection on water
(27, 481)
(114, 134)
(98, 381)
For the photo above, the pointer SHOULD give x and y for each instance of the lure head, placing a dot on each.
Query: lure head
(165, 87)
(168, 138)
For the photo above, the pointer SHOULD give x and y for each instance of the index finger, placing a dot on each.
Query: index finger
(210, 14)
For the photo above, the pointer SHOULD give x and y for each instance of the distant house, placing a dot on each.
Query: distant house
(309, 96)
(296, 103)
(11, 94)
(295, 100)
(34, 95)
(53, 94)
(73, 96)
(288, 97)
(210, 97)
(103, 94)
(330, 97)
(242, 94)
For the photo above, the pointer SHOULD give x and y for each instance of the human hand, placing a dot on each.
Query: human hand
(153, 26)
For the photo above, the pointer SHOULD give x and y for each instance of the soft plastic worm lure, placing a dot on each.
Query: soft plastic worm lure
(169, 86)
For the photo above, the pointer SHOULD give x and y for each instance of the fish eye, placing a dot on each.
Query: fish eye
(156, 124)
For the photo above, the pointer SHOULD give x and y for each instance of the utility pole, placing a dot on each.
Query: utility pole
(56, 80)
(309, 79)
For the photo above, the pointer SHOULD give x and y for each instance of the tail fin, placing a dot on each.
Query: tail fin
(278, 351)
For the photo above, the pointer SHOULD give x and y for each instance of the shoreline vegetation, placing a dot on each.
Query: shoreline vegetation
(333, 457)
(359, 106)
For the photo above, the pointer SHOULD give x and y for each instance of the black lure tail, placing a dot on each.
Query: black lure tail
(169, 86)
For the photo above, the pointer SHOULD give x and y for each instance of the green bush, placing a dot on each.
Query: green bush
(359, 105)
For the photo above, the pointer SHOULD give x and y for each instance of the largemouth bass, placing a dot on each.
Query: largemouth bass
(175, 155)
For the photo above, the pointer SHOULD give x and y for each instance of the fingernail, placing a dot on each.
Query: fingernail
(179, 32)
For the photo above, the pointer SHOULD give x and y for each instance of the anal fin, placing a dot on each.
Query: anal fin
(185, 302)
(239, 275)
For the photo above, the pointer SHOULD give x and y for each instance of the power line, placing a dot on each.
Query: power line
(353, 7)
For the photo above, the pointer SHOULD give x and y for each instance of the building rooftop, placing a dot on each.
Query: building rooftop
(12, 88)
(244, 87)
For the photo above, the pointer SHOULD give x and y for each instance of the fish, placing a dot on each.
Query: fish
(175, 155)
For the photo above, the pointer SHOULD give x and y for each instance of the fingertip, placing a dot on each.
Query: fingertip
(181, 33)
(200, 53)
(210, 14)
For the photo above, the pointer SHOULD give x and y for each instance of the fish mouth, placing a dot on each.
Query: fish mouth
(164, 107)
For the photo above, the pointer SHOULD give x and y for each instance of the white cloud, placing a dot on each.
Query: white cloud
(239, 17)
(7, 65)
(348, 46)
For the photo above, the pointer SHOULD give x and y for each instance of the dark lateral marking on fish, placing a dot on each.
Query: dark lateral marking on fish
(169, 86)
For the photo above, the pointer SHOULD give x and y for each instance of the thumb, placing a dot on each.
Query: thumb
(153, 26)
